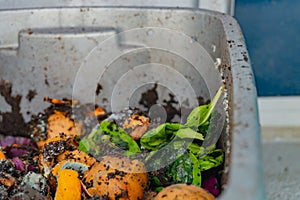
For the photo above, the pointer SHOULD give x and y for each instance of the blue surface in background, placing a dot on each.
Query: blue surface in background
(271, 30)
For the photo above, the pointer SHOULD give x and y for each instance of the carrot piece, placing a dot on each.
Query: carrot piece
(68, 185)
(60, 102)
(97, 112)
(2, 155)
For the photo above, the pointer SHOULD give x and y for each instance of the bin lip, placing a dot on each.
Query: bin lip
(226, 6)
(246, 160)
(246, 151)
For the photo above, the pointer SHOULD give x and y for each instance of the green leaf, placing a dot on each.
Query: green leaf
(196, 149)
(201, 114)
(185, 169)
(158, 189)
(164, 133)
(188, 133)
(88, 143)
(196, 170)
(109, 132)
(181, 170)
(85, 145)
(212, 159)
(158, 137)
(166, 154)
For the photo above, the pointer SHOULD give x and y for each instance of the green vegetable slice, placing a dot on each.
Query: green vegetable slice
(158, 137)
(109, 132)
(200, 115)
(188, 133)
(213, 159)
(185, 169)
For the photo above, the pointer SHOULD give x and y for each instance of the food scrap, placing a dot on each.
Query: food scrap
(184, 191)
(79, 151)
(68, 185)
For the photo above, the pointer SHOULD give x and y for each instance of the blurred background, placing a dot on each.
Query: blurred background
(272, 32)
(271, 29)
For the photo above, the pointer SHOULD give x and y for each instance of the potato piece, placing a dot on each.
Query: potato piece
(68, 185)
(77, 156)
(47, 160)
(138, 125)
(66, 164)
(69, 139)
(58, 123)
(184, 191)
(117, 178)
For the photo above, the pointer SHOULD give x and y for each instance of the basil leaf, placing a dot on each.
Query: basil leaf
(109, 132)
(185, 169)
(158, 137)
(166, 155)
(188, 133)
(213, 159)
(196, 170)
(89, 142)
(200, 115)
(196, 149)
(85, 145)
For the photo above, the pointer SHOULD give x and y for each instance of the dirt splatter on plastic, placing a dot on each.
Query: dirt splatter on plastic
(12, 123)
(31, 94)
(98, 89)
(171, 105)
(150, 97)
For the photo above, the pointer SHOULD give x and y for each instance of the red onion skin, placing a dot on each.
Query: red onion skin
(15, 152)
(211, 185)
(18, 163)
(10, 140)
(30, 168)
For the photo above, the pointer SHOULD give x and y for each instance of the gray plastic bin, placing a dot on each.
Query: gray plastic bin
(67, 51)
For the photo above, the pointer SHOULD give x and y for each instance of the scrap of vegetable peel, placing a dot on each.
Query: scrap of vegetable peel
(68, 185)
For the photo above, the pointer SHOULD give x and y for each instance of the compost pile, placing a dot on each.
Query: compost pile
(80, 151)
